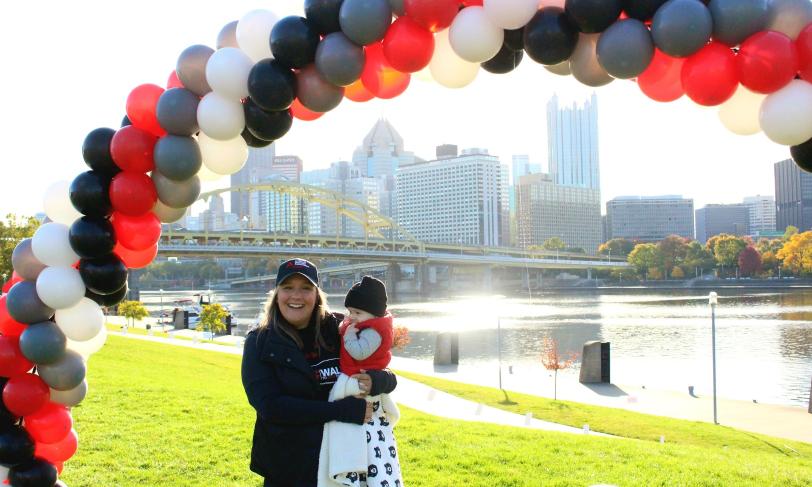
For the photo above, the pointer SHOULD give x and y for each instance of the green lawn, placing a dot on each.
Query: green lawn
(158, 415)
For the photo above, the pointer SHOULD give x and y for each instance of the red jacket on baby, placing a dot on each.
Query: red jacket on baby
(380, 358)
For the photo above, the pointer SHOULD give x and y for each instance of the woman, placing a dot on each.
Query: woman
(289, 364)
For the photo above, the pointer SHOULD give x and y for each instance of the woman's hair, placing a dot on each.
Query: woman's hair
(273, 318)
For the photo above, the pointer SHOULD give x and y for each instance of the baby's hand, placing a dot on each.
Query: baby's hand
(352, 329)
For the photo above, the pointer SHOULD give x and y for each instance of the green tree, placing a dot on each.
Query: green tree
(645, 257)
(677, 273)
(726, 250)
(554, 243)
(697, 257)
(132, 310)
(619, 247)
(789, 232)
(212, 318)
(12, 231)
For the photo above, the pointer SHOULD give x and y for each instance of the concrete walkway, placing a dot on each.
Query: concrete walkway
(409, 393)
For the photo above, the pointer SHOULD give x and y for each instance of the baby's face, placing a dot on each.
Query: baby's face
(358, 315)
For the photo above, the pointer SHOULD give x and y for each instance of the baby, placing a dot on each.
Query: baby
(363, 455)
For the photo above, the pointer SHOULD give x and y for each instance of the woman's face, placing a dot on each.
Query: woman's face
(296, 298)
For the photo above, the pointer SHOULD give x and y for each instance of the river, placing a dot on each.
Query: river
(659, 338)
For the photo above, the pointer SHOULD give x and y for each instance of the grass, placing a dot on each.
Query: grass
(156, 333)
(619, 422)
(163, 415)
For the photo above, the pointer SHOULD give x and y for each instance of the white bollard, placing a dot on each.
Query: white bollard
(662, 439)
(432, 393)
(479, 407)
(586, 429)
(528, 418)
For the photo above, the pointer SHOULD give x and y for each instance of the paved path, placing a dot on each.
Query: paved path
(411, 394)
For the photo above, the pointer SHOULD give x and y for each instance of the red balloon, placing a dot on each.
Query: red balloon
(709, 76)
(8, 326)
(12, 361)
(50, 424)
(302, 112)
(661, 80)
(24, 394)
(132, 149)
(767, 61)
(137, 232)
(15, 278)
(174, 81)
(434, 15)
(358, 92)
(141, 106)
(407, 46)
(472, 3)
(803, 45)
(132, 193)
(60, 451)
(136, 259)
(381, 79)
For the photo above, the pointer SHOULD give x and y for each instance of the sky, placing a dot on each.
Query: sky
(69, 66)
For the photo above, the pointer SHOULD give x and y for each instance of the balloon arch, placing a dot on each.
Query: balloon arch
(752, 58)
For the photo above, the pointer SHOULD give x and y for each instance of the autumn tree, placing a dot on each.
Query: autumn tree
(554, 243)
(749, 261)
(554, 360)
(673, 249)
(726, 249)
(789, 232)
(619, 247)
(645, 257)
(12, 230)
(697, 257)
(132, 311)
(677, 273)
(400, 337)
(212, 319)
(796, 254)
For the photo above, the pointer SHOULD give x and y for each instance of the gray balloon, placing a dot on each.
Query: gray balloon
(43, 343)
(681, 27)
(338, 60)
(561, 69)
(736, 20)
(176, 194)
(584, 62)
(178, 158)
(177, 111)
(24, 304)
(365, 21)
(24, 262)
(789, 16)
(315, 92)
(228, 36)
(71, 397)
(191, 68)
(167, 214)
(64, 374)
(625, 49)
(397, 7)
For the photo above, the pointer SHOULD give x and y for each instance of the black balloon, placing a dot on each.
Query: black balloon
(92, 237)
(505, 60)
(126, 121)
(514, 39)
(294, 42)
(592, 16)
(323, 15)
(550, 37)
(802, 155)
(89, 193)
(108, 299)
(271, 85)
(252, 141)
(266, 125)
(36, 473)
(16, 446)
(103, 275)
(642, 9)
(96, 151)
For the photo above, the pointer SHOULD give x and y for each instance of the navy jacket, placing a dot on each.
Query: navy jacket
(291, 406)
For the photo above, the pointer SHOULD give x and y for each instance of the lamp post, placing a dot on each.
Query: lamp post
(499, 348)
(242, 226)
(712, 300)
(161, 315)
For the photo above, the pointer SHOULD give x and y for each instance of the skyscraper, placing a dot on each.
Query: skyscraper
(793, 197)
(649, 218)
(717, 219)
(258, 166)
(762, 213)
(572, 134)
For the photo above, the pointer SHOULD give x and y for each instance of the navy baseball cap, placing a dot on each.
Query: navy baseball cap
(302, 267)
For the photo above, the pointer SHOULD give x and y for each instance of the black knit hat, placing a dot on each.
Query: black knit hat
(368, 295)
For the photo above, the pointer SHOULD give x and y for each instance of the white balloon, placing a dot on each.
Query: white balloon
(51, 246)
(254, 33)
(474, 37)
(57, 203)
(219, 117)
(60, 287)
(71, 397)
(786, 115)
(82, 321)
(789, 16)
(510, 14)
(227, 72)
(206, 174)
(447, 68)
(88, 347)
(223, 156)
(739, 114)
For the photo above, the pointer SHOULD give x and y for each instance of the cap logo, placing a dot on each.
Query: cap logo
(298, 263)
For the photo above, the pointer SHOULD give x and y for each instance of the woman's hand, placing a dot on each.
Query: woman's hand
(364, 383)
(368, 413)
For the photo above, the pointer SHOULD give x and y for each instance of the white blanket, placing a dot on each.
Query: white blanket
(344, 445)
